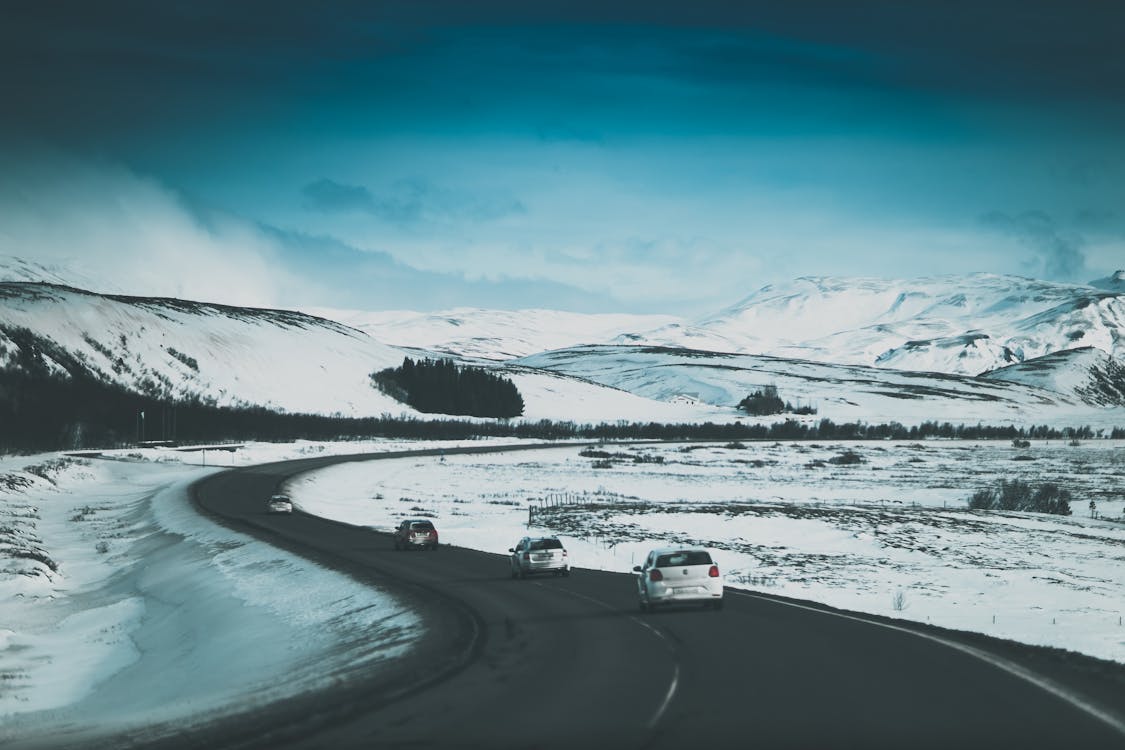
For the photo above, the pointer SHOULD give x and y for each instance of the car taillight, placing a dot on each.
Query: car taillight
(713, 572)
(526, 555)
(564, 553)
(655, 575)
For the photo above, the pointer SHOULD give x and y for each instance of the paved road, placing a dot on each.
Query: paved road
(571, 662)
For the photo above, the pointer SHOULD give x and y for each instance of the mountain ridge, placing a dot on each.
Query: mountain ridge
(960, 343)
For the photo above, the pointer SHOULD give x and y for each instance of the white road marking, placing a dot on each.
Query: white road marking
(673, 685)
(1011, 668)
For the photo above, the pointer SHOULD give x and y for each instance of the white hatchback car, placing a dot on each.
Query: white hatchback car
(674, 575)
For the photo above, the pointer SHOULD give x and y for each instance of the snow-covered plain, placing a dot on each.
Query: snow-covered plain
(890, 535)
(839, 392)
(123, 609)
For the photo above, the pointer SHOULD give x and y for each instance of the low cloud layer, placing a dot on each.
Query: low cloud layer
(131, 234)
(1058, 252)
(102, 227)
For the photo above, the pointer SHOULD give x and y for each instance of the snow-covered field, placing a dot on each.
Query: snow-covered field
(123, 608)
(890, 535)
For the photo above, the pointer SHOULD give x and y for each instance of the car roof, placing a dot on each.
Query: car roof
(419, 520)
(539, 538)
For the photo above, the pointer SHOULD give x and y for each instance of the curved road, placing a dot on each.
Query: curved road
(571, 662)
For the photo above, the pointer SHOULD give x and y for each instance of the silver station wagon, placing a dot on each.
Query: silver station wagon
(544, 554)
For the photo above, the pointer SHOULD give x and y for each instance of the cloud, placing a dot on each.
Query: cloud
(127, 233)
(409, 202)
(107, 229)
(1059, 254)
(329, 196)
(374, 280)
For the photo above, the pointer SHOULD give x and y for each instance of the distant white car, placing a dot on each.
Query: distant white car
(674, 575)
(279, 504)
(534, 554)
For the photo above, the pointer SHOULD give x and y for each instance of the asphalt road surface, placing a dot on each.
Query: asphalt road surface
(572, 663)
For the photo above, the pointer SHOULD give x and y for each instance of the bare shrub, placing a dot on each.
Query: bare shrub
(1019, 495)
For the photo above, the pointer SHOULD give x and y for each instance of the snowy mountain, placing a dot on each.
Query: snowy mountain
(1115, 282)
(869, 349)
(492, 334)
(952, 324)
(71, 273)
(1087, 374)
(229, 355)
(283, 360)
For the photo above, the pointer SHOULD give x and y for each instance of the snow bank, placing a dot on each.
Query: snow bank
(141, 613)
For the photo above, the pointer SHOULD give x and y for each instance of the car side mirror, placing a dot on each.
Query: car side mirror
(637, 569)
(510, 549)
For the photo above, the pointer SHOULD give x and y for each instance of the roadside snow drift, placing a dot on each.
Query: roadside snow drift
(124, 610)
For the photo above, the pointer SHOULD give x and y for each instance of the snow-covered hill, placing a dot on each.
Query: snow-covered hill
(1086, 374)
(492, 334)
(1115, 282)
(284, 360)
(71, 273)
(839, 392)
(870, 349)
(230, 355)
(952, 324)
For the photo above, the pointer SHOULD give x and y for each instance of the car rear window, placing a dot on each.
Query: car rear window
(545, 544)
(421, 526)
(687, 557)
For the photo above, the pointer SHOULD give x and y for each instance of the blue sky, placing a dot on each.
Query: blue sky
(586, 156)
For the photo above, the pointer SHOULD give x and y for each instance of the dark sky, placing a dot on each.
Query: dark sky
(643, 156)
